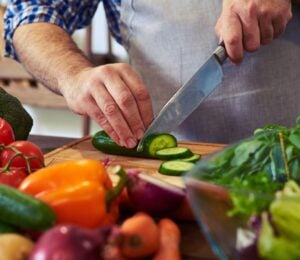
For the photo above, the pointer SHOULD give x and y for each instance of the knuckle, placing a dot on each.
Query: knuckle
(251, 46)
(124, 66)
(107, 71)
(93, 83)
(110, 109)
(135, 124)
(83, 99)
(265, 13)
(234, 40)
(101, 120)
(251, 10)
(142, 95)
(126, 100)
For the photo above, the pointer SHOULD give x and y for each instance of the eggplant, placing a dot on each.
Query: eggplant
(70, 242)
(152, 195)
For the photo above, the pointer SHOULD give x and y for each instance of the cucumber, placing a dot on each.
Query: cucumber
(173, 153)
(6, 228)
(24, 211)
(175, 167)
(102, 142)
(194, 158)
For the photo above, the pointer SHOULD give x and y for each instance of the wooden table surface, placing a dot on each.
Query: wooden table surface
(193, 243)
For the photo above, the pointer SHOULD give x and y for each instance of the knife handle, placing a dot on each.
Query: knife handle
(220, 53)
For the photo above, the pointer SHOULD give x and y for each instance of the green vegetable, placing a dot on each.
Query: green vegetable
(175, 167)
(256, 167)
(275, 247)
(24, 211)
(194, 158)
(6, 228)
(279, 236)
(151, 144)
(173, 153)
(252, 195)
(286, 218)
(14, 113)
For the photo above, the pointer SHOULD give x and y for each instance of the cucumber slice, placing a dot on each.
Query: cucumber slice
(156, 142)
(175, 167)
(194, 158)
(173, 153)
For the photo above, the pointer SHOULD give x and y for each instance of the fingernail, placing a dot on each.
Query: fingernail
(139, 134)
(131, 143)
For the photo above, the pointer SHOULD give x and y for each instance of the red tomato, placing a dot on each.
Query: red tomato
(12, 177)
(32, 152)
(6, 132)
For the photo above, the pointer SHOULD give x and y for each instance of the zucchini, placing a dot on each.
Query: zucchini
(194, 158)
(102, 142)
(175, 167)
(173, 153)
(24, 211)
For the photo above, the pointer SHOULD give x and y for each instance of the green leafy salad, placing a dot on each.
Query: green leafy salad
(255, 168)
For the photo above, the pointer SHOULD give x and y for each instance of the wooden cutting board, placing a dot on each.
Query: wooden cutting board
(83, 149)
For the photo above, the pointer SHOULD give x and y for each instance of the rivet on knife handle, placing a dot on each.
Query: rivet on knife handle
(220, 53)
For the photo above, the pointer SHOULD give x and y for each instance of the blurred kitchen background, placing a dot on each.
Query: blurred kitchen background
(48, 110)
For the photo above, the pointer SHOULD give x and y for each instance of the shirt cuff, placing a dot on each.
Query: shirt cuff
(12, 20)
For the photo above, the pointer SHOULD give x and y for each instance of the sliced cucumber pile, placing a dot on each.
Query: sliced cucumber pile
(177, 160)
(163, 146)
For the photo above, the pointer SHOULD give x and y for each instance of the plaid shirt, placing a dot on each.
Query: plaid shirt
(68, 14)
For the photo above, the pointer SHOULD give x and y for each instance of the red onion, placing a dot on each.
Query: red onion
(152, 195)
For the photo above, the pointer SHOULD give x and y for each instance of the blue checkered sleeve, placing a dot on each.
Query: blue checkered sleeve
(69, 15)
(112, 10)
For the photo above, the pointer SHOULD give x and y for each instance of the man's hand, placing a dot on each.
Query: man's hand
(114, 97)
(247, 24)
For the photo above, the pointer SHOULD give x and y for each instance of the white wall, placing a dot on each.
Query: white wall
(57, 122)
(62, 122)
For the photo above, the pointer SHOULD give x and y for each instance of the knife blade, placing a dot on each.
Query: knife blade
(189, 96)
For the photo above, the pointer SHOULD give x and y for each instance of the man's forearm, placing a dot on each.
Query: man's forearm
(49, 54)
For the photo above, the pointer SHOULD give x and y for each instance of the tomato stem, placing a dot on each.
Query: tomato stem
(17, 154)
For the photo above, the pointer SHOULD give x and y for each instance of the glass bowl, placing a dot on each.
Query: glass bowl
(227, 206)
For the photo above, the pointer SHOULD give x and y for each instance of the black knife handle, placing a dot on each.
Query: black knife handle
(220, 53)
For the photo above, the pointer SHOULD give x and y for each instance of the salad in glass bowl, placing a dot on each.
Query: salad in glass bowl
(246, 197)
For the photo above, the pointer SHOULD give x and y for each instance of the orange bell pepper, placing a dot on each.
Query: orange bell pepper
(80, 192)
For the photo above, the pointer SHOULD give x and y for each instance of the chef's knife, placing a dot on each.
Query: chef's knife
(189, 96)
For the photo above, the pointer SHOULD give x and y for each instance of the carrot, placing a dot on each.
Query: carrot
(169, 241)
(140, 236)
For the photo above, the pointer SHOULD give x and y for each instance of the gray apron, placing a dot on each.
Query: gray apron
(167, 41)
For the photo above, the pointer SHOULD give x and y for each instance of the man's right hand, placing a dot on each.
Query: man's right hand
(115, 98)
(247, 24)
